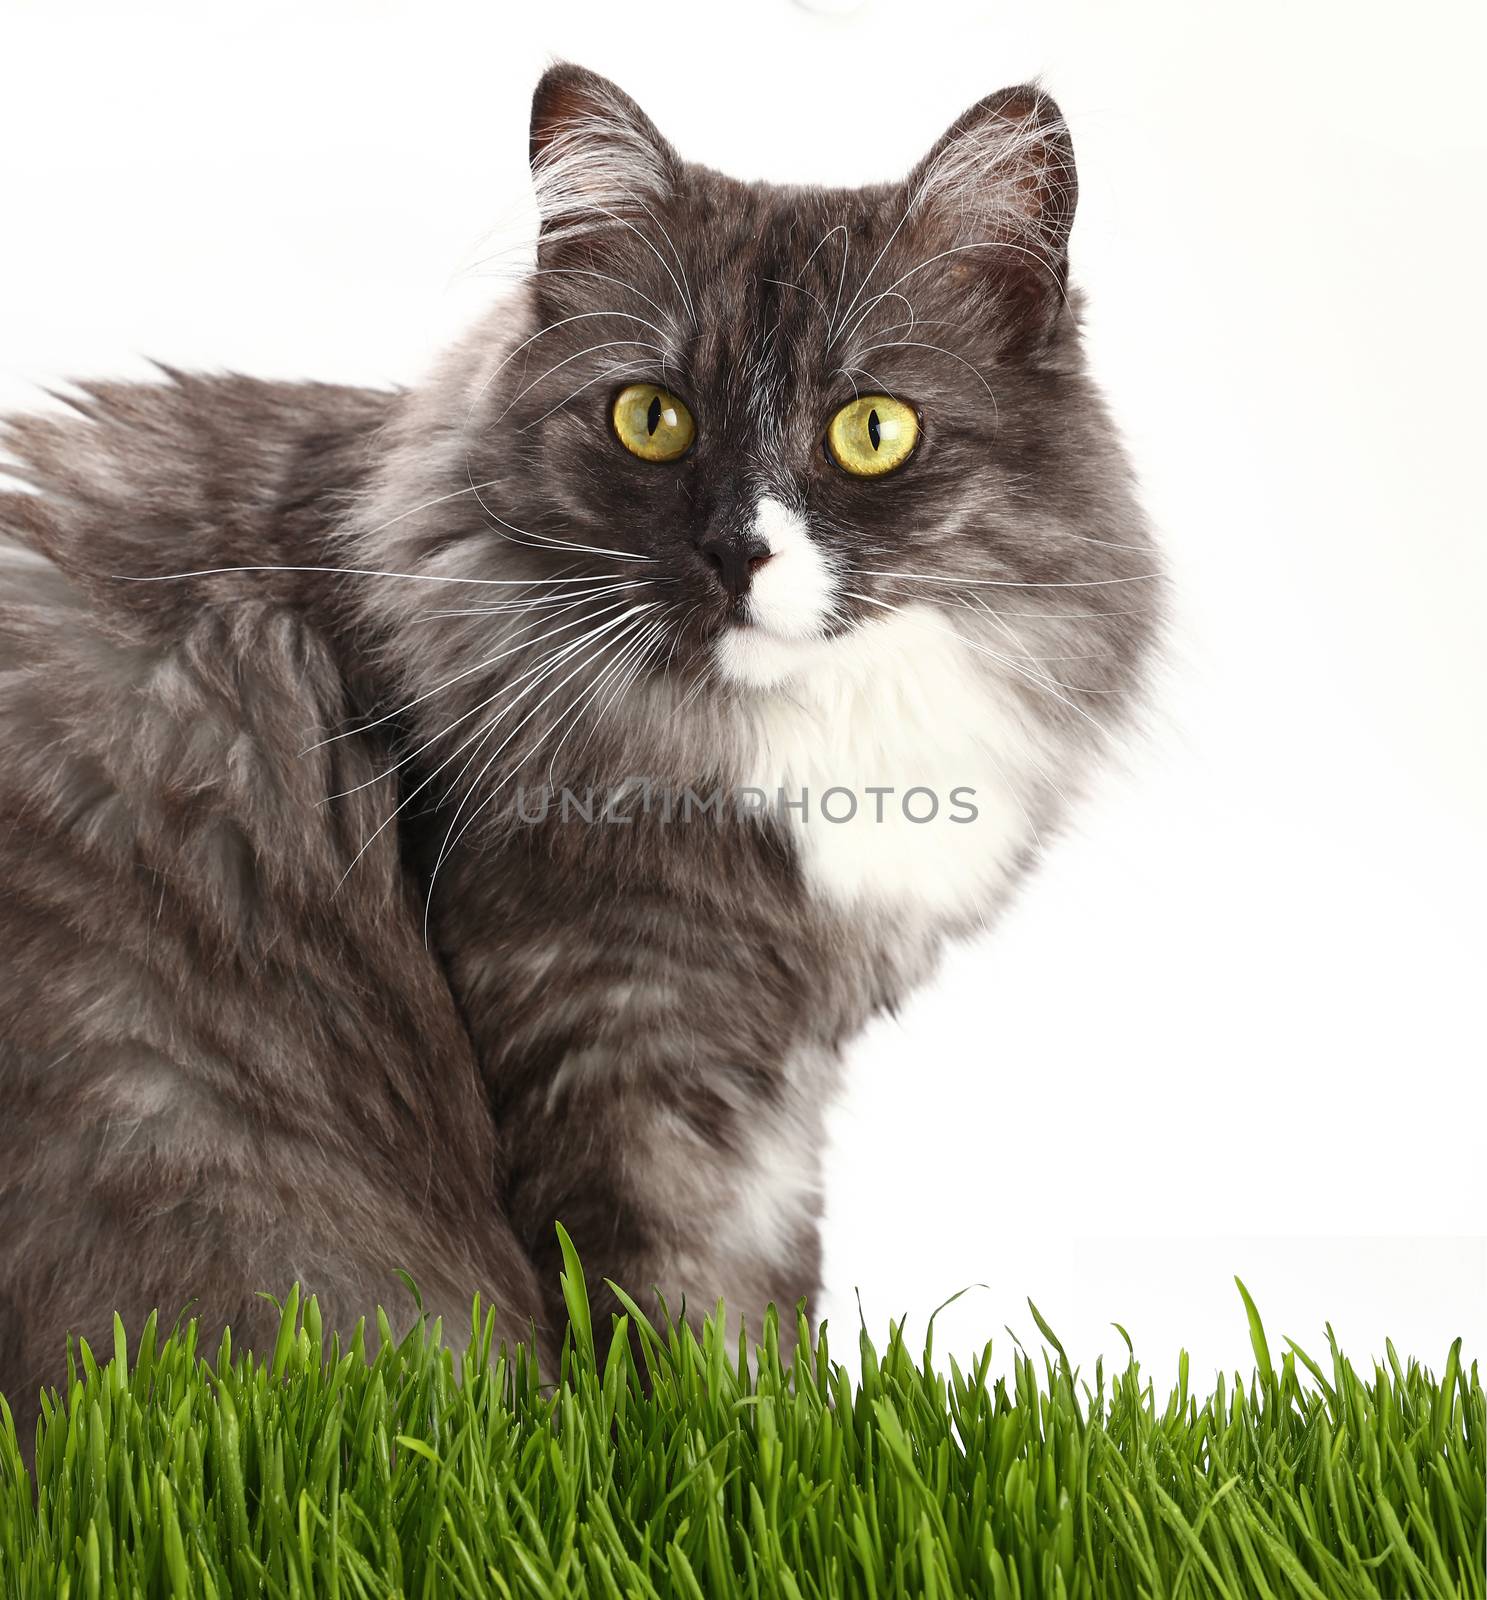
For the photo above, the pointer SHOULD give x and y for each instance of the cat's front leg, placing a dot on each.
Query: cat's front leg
(694, 1180)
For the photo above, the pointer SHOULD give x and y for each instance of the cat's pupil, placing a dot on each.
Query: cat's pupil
(874, 432)
(653, 415)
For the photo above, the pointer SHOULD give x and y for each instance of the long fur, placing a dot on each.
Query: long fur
(299, 980)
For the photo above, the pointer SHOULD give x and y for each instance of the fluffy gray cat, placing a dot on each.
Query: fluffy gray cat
(428, 816)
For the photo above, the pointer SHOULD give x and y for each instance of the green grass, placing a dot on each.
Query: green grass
(321, 1470)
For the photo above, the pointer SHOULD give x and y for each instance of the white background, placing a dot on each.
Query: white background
(1235, 1024)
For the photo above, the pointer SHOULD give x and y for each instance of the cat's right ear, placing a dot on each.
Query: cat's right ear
(597, 160)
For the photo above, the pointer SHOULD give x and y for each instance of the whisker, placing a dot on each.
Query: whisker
(799, 288)
(1007, 583)
(531, 339)
(624, 622)
(558, 654)
(451, 838)
(1108, 544)
(976, 603)
(1006, 661)
(542, 541)
(680, 630)
(1047, 680)
(876, 263)
(979, 244)
(480, 666)
(918, 344)
(841, 278)
(578, 355)
(639, 663)
(705, 676)
(347, 572)
(609, 372)
(544, 602)
(584, 272)
(892, 327)
(549, 663)
(681, 266)
(686, 297)
(839, 227)
(632, 650)
(438, 500)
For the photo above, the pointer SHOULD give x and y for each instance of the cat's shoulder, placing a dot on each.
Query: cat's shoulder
(135, 704)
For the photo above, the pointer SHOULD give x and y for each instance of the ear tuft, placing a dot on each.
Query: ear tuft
(1003, 178)
(1008, 159)
(596, 156)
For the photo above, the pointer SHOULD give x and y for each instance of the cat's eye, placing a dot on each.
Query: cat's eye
(872, 435)
(652, 423)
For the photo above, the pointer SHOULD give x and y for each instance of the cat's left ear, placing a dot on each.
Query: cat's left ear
(597, 159)
(997, 196)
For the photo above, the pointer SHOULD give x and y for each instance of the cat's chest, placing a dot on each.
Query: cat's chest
(901, 771)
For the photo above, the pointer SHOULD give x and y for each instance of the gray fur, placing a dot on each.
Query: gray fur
(247, 1031)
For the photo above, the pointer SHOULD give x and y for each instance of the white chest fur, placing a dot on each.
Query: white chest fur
(901, 705)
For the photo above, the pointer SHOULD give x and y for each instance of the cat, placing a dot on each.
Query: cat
(430, 816)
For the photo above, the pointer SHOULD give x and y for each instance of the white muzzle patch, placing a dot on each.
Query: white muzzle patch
(791, 599)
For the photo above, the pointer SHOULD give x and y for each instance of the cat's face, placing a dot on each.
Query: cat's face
(779, 412)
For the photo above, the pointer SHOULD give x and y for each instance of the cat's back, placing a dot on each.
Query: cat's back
(226, 1057)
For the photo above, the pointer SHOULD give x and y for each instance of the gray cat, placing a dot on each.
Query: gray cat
(428, 816)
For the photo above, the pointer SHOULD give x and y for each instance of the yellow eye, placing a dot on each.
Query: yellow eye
(872, 435)
(652, 423)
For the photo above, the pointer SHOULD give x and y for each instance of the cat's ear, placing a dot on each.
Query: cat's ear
(597, 159)
(997, 196)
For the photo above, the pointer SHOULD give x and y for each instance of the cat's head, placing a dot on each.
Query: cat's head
(771, 415)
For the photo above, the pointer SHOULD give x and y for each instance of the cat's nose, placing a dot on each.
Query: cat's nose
(734, 559)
